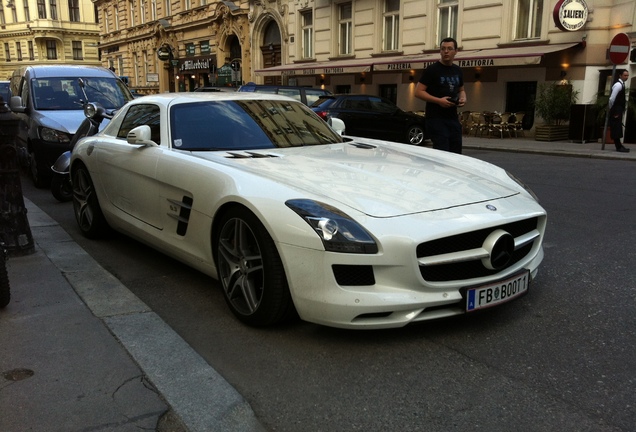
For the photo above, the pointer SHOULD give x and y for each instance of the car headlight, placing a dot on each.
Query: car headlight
(523, 185)
(338, 232)
(52, 135)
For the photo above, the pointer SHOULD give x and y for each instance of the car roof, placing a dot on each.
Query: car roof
(49, 71)
(189, 97)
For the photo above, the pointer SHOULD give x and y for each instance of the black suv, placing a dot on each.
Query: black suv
(372, 117)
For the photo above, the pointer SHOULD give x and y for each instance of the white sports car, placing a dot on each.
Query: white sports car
(292, 217)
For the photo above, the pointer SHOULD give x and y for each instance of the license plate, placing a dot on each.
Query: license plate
(499, 292)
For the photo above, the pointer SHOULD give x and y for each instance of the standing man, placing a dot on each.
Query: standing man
(442, 87)
(617, 102)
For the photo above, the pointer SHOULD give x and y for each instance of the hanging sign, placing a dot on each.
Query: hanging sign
(570, 15)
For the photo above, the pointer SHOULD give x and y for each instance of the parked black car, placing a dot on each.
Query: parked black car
(306, 95)
(372, 117)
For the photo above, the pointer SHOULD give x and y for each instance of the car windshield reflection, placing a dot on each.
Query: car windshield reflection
(247, 125)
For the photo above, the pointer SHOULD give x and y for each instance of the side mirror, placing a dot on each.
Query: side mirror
(140, 135)
(16, 104)
(337, 125)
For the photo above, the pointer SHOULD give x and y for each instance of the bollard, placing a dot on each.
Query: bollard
(15, 231)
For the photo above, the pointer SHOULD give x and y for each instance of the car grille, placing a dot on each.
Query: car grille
(449, 269)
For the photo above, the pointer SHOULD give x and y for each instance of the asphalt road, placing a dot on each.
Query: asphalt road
(559, 359)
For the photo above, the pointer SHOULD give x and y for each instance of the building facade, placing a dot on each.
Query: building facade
(175, 45)
(47, 31)
(506, 48)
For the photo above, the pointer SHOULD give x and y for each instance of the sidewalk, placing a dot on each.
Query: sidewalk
(80, 352)
(557, 148)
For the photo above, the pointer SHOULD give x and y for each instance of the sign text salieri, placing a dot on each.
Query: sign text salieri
(570, 15)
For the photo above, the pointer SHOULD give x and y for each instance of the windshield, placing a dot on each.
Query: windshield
(65, 93)
(4, 91)
(247, 124)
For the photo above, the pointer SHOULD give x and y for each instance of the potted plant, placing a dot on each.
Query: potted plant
(553, 104)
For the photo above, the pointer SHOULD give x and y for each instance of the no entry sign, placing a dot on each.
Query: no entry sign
(619, 48)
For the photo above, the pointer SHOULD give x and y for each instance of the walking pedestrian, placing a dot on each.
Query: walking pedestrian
(617, 103)
(441, 86)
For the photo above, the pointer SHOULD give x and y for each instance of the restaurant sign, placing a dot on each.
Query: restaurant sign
(200, 64)
(570, 15)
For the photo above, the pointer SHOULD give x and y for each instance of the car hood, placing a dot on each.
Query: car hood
(378, 180)
(63, 120)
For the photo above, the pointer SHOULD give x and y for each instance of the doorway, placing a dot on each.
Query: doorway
(520, 97)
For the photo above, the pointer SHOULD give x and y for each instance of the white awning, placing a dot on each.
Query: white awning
(319, 68)
(510, 56)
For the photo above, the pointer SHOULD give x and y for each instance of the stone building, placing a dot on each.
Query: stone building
(168, 45)
(47, 31)
(506, 48)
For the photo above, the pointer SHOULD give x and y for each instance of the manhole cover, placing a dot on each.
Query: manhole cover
(17, 374)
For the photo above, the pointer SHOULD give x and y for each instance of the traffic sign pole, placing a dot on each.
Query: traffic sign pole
(618, 52)
(607, 113)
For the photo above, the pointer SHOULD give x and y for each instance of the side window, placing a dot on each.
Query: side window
(139, 115)
(293, 93)
(381, 105)
(313, 95)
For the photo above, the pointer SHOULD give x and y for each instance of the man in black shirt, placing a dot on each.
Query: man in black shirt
(442, 87)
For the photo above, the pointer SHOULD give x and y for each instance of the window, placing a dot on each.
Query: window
(153, 10)
(188, 4)
(18, 50)
(14, 13)
(345, 28)
(135, 60)
(74, 10)
(2, 20)
(27, 14)
(31, 52)
(53, 8)
(142, 11)
(167, 11)
(41, 9)
(529, 14)
(447, 19)
(106, 21)
(116, 16)
(51, 50)
(140, 115)
(307, 22)
(7, 52)
(391, 25)
(77, 50)
(131, 5)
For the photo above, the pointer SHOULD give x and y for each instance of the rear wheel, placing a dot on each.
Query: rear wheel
(250, 271)
(88, 213)
(415, 135)
(61, 187)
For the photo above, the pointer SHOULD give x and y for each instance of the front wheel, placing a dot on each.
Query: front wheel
(415, 135)
(5, 289)
(251, 272)
(88, 213)
(39, 174)
(61, 187)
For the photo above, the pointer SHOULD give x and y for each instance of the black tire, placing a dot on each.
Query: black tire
(61, 187)
(415, 135)
(39, 174)
(5, 289)
(88, 213)
(250, 271)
